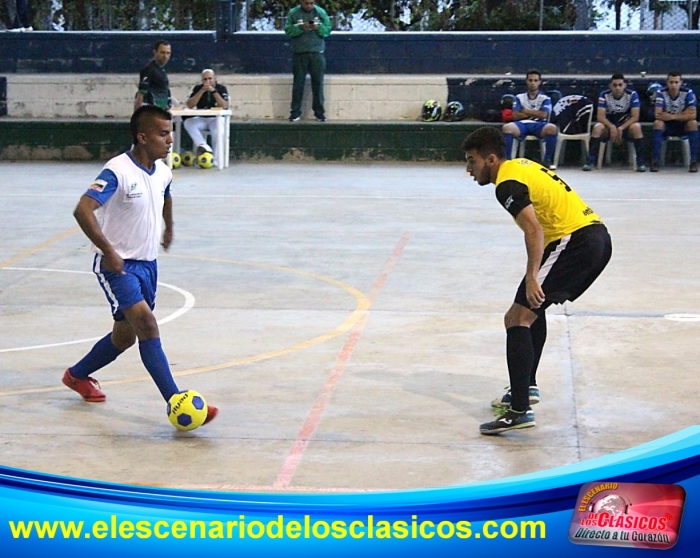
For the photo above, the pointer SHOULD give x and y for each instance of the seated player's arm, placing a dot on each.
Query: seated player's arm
(633, 119)
(85, 216)
(661, 114)
(689, 113)
(602, 117)
(523, 114)
(138, 100)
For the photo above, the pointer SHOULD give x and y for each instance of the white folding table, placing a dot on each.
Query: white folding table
(223, 132)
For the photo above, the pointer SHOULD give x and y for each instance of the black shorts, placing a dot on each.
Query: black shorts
(618, 118)
(570, 265)
(675, 128)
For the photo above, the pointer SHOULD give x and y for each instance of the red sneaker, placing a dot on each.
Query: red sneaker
(211, 414)
(88, 388)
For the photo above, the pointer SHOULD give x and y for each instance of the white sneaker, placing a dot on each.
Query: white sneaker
(204, 148)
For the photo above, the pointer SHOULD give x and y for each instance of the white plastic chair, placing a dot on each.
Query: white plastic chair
(584, 138)
(519, 146)
(605, 154)
(685, 149)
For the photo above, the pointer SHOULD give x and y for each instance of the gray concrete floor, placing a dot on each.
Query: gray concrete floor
(347, 320)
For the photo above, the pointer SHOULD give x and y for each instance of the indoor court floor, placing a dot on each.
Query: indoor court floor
(347, 320)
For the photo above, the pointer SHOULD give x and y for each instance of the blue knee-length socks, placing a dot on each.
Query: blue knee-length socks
(101, 354)
(152, 356)
(156, 363)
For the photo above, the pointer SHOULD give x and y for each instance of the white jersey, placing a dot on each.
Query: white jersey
(540, 102)
(131, 212)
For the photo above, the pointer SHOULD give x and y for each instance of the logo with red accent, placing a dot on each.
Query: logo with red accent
(634, 515)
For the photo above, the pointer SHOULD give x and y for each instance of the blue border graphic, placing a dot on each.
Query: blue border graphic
(505, 509)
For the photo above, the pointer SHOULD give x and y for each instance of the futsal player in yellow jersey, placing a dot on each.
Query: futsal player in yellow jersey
(567, 248)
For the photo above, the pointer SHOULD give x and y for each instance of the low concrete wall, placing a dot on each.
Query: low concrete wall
(99, 139)
(266, 97)
(348, 97)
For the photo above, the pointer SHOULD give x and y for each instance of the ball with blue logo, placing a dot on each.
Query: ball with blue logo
(188, 158)
(205, 160)
(187, 410)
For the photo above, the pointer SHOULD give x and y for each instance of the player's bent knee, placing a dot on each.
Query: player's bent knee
(142, 321)
(518, 315)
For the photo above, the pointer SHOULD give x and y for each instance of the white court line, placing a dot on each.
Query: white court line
(186, 307)
(683, 317)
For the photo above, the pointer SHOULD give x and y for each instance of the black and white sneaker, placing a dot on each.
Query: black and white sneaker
(293, 118)
(505, 400)
(511, 420)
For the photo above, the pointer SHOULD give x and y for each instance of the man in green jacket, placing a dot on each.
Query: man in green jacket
(308, 25)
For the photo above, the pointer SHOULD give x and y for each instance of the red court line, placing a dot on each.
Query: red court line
(291, 463)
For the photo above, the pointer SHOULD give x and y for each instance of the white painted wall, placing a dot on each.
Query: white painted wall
(265, 97)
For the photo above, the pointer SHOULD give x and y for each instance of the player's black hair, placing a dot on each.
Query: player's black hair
(674, 73)
(533, 71)
(143, 116)
(617, 76)
(160, 43)
(486, 141)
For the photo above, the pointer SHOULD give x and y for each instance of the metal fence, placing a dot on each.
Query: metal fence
(162, 15)
(650, 15)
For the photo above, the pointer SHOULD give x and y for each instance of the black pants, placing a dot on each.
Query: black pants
(22, 18)
(314, 64)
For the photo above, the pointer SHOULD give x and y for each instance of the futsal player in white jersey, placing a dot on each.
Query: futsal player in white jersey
(132, 199)
(531, 112)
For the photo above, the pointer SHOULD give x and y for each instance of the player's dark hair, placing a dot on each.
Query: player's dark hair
(617, 76)
(674, 74)
(486, 141)
(160, 43)
(533, 71)
(142, 118)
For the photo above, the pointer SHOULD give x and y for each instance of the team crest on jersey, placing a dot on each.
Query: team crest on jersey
(98, 185)
(133, 191)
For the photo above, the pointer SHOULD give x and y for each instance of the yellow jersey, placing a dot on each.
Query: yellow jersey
(559, 209)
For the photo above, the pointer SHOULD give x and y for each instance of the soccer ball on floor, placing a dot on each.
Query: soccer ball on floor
(176, 160)
(206, 160)
(188, 158)
(187, 410)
